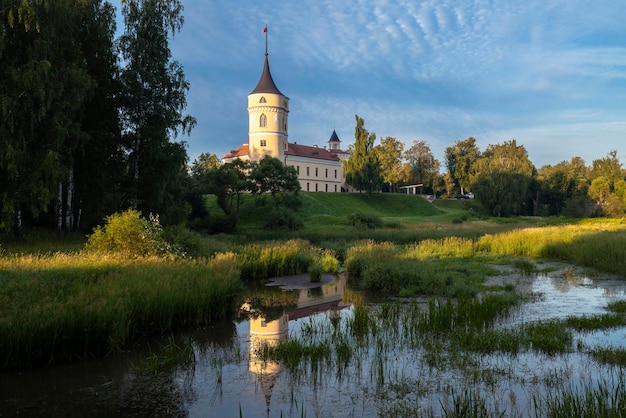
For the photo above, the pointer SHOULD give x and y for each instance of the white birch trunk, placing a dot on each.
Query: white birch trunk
(69, 210)
(59, 208)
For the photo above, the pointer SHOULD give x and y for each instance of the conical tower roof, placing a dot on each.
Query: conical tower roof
(266, 82)
(334, 137)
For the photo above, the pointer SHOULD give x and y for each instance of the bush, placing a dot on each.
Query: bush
(315, 272)
(364, 220)
(284, 219)
(129, 235)
(329, 262)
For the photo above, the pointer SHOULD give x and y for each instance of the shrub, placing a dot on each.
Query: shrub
(284, 219)
(130, 235)
(364, 220)
(315, 272)
(329, 262)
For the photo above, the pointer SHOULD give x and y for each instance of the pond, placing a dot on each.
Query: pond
(221, 372)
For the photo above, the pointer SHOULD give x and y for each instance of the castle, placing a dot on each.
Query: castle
(319, 169)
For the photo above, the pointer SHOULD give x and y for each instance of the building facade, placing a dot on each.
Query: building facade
(319, 169)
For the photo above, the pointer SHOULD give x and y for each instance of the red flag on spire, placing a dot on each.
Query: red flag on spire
(265, 29)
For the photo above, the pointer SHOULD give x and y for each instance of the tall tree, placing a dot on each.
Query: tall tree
(503, 179)
(270, 176)
(228, 182)
(98, 160)
(153, 101)
(43, 85)
(423, 166)
(460, 160)
(362, 168)
(389, 154)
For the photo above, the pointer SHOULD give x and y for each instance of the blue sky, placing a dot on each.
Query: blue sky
(549, 73)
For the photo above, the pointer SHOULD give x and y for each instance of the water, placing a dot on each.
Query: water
(227, 378)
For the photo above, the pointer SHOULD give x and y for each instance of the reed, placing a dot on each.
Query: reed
(71, 306)
(271, 259)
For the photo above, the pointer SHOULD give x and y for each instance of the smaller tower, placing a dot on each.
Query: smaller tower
(268, 111)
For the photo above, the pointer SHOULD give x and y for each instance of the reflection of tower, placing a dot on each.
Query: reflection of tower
(269, 333)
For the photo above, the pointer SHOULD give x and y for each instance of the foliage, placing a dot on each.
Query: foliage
(389, 155)
(129, 235)
(228, 182)
(422, 166)
(152, 102)
(460, 161)
(315, 272)
(364, 220)
(362, 168)
(503, 178)
(270, 176)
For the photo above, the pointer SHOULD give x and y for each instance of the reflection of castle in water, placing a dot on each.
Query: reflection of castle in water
(311, 301)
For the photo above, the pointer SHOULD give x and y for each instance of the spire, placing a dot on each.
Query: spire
(266, 82)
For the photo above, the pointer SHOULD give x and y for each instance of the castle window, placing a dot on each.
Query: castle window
(263, 143)
(263, 121)
(262, 100)
(316, 172)
(307, 187)
(335, 175)
(307, 171)
(335, 188)
(298, 169)
(326, 187)
(327, 174)
(315, 186)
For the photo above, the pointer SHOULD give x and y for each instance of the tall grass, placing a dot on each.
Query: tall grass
(272, 259)
(71, 306)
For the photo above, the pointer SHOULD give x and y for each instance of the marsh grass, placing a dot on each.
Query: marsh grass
(610, 355)
(72, 306)
(606, 398)
(272, 259)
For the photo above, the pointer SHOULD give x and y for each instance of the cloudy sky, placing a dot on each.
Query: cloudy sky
(549, 73)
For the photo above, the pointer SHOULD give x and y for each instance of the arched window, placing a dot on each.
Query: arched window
(263, 121)
(262, 100)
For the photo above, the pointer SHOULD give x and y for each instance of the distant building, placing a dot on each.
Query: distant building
(319, 169)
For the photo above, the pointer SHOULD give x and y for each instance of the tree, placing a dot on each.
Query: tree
(607, 184)
(362, 168)
(422, 165)
(389, 154)
(43, 86)
(460, 160)
(153, 99)
(503, 178)
(97, 161)
(270, 176)
(228, 182)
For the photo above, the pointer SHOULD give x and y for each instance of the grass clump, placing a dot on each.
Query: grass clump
(365, 220)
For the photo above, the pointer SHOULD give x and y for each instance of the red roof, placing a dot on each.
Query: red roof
(307, 151)
(238, 153)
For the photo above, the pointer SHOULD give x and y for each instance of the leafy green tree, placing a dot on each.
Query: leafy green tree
(606, 185)
(205, 163)
(228, 182)
(563, 188)
(270, 176)
(422, 165)
(460, 160)
(362, 168)
(152, 102)
(43, 87)
(503, 179)
(98, 159)
(389, 154)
